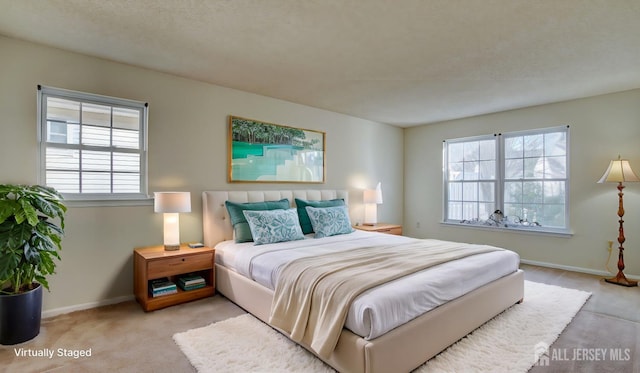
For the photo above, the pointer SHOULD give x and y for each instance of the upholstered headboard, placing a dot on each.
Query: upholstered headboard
(215, 218)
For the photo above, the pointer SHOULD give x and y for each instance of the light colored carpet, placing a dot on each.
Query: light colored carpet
(510, 342)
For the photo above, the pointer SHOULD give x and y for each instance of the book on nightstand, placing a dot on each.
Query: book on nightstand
(191, 282)
(191, 287)
(162, 286)
(163, 292)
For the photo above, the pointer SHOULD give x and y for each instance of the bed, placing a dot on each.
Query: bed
(389, 348)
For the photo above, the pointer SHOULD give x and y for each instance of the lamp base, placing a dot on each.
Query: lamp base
(171, 247)
(621, 280)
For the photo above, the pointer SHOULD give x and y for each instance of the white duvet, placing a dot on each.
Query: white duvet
(385, 307)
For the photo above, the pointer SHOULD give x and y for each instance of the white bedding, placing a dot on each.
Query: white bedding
(385, 307)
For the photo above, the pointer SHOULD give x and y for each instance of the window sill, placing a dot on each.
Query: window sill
(525, 230)
(108, 202)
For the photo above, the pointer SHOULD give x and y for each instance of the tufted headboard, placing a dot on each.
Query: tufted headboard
(215, 218)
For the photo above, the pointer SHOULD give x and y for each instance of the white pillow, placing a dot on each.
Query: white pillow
(329, 221)
(270, 226)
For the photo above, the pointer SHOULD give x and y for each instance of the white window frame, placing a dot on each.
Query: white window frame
(464, 179)
(500, 184)
(94, 199)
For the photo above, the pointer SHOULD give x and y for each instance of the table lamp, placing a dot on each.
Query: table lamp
(171, 204)
(371, 199)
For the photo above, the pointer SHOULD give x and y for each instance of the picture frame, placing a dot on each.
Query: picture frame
(263, 152)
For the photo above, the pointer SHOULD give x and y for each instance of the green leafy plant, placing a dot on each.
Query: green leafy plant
(31, 230)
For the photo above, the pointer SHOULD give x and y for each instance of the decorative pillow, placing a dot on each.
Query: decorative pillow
(241, 230)
(302, 204)
(329, 221)
(274, 226)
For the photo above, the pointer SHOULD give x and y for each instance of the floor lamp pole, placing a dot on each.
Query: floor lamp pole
(620, 278)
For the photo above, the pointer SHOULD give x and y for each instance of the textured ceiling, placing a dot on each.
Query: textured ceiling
(404, 62)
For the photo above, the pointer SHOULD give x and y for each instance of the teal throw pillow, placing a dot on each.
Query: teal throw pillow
(238, 220)
(330, 221)
(302, 205)
(274, 226)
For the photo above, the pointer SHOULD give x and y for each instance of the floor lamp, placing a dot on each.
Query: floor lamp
(620, 170)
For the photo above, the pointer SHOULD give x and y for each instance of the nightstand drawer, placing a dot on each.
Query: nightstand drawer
(381, 228)
(181, 264)
(396, 231)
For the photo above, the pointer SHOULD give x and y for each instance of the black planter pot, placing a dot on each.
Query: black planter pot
(20, 316)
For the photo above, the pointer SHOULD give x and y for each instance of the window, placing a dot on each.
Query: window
(514, 180)
(92, 147)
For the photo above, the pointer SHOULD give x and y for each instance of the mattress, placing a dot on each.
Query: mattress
(385, 307)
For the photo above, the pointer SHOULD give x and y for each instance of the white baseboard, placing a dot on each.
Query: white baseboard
(85, 306)
(575, 269)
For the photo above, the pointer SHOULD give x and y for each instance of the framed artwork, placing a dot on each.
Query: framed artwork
(261, 152)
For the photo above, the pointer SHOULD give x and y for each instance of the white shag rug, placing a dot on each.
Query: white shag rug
(507, 343)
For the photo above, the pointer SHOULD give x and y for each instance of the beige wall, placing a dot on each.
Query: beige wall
(187, 151)
(601, 128)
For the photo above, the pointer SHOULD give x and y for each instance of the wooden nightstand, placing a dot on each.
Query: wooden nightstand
(381, 228)
(154, 262)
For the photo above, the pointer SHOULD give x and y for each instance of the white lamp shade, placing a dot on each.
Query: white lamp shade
(619, 171)
(369, 196)
(172, 202)
(373, 195)
(379, 193)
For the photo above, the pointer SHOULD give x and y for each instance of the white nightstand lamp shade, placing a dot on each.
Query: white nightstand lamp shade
(171, 204)
(371, 199)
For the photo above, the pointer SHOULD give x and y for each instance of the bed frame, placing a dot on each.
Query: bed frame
(400, 350)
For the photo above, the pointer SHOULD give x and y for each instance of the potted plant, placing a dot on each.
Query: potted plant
(31, 229)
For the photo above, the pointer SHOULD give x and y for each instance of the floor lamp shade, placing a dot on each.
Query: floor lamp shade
(171, 204)
(620, 171)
